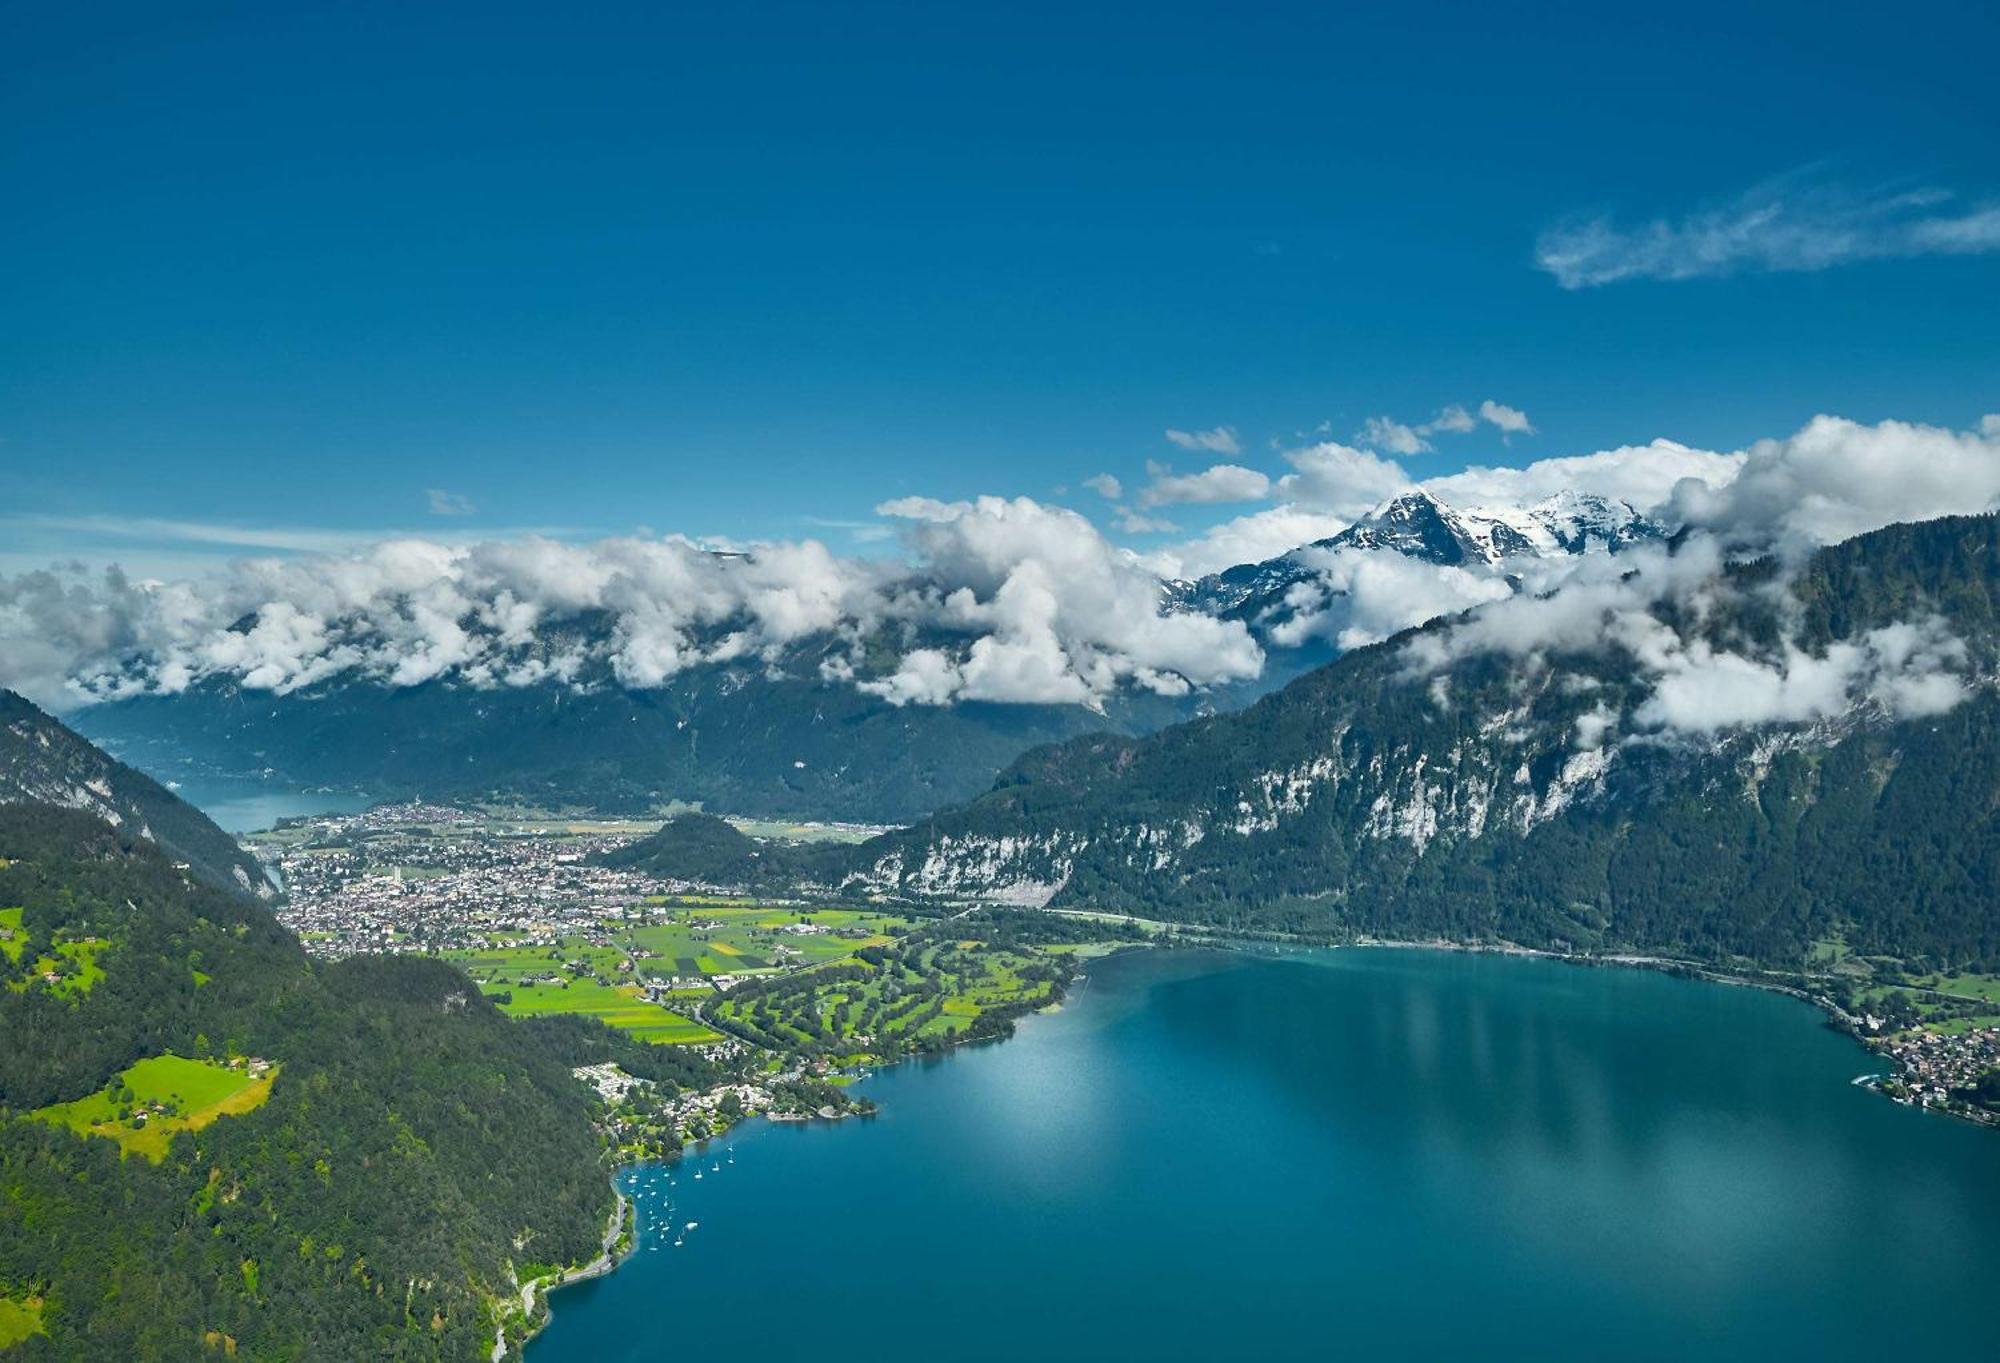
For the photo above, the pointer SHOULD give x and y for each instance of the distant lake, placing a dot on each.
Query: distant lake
(1349, 1154)
(247, 806)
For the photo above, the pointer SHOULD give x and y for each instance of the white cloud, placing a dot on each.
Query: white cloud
(1245, 539)
(154, 529)
(1060, 613)
(1453, 420)
(1361, 596)
(1106, 486)
(1221, 440)
(921, 509)
(1017, 601)
(1217, 483)
(1341, 479)
(1396, 437)
(1383, 433)
(1789, 224)
(1835, 478)
(444, 503)
(1908, 669)
(1511, 420)
(1644, 475)
(1691, 684)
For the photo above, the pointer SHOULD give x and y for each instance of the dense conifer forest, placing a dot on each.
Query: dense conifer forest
(415, 1146)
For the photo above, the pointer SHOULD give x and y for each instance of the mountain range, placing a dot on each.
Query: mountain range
(1766, 756)
(1419, 528)
(806, 732)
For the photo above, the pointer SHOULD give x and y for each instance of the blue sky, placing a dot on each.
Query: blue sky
(750, 270)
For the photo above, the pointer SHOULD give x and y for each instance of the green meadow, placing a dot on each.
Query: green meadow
(733, 939)
(70, 969)
(619, 1006)
(157, 1097)
(921, 992)
(692, 938)
(20, 1317)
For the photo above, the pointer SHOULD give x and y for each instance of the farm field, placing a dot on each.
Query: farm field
(619, 1006)
(744, 936)
(155, 1098)
(1985, 987)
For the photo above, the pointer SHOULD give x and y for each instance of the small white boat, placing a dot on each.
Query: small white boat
(690, 1225)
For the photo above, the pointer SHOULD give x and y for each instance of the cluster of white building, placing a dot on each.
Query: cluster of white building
(1932, 1064)
(391, 880)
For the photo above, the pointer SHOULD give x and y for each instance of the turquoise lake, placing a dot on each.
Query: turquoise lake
(1346, 1154)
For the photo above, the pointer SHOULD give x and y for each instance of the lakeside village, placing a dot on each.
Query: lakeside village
(759, 994)
(1954, 1072)
(718, 1006)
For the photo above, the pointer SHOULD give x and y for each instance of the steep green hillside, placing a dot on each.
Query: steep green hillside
(713, 851)
(367, 1204)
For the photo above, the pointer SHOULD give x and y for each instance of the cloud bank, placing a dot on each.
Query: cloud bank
(1012, 600)
(999, 600)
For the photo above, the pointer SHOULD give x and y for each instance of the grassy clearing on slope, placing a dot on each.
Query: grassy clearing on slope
(72, 969)
(157, 1097)
(20, 1317)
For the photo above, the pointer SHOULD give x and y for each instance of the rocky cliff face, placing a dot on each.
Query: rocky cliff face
(42, 761)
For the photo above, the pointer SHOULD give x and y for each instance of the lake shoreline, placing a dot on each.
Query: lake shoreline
(1167, 1042)
(1836, 1019)
(1900, 1086)
(606, 1262)
(610, 1261)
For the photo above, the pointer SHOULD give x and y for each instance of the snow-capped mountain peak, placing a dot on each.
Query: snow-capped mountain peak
(1421, 527)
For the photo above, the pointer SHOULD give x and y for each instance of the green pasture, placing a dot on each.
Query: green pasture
(1985, 987)
(619, 1006)
(73, 963)
(192, 1092)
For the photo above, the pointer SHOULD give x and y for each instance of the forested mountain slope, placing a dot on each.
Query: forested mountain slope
(1723, 759)
(383, 1151)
